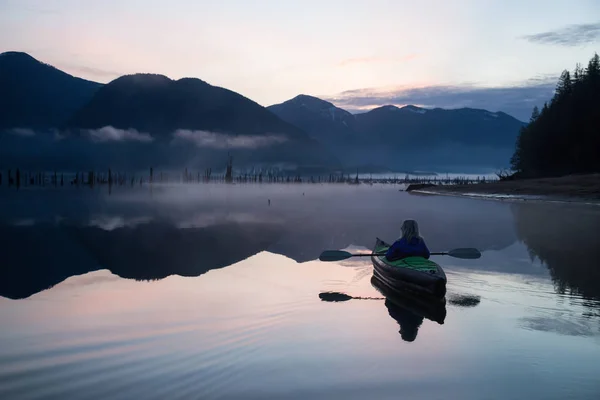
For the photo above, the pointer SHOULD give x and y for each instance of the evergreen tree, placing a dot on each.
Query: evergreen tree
(563, 88)
(578, 74)
(535, 114)
(593, 69)
(564, 138)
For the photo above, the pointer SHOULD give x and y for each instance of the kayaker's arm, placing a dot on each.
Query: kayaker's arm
(426, 253)
(393, 251)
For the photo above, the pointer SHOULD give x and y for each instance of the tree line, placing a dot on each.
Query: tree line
(564, 136)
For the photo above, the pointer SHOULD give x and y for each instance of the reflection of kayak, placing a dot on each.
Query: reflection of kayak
(401, 302)
(410, 310)
(412, 273)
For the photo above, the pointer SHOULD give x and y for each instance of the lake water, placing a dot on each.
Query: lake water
(209, 292)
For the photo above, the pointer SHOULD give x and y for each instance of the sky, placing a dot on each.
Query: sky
(502, 55)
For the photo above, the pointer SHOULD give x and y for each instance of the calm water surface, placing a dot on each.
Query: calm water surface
(207, 291)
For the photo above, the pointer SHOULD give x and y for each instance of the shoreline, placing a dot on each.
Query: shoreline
(583, 189)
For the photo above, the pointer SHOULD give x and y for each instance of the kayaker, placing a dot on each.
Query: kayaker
(411, 244)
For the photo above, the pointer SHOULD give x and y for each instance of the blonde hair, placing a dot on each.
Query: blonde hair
(410, 230)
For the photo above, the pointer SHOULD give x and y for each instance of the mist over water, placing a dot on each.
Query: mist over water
(212, 291)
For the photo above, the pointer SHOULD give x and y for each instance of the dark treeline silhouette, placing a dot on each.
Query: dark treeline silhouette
(564, 137)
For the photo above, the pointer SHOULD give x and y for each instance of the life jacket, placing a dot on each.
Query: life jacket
(402, 249)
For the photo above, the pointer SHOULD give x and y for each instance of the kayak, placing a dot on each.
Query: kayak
(416, 274)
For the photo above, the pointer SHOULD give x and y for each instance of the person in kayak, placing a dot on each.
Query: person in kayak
(411, 244)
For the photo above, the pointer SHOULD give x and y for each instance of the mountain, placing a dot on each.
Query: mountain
(321, 119)
(159, 105)
(216, 119)
(37, 95)
(408, 137)
(414, 126)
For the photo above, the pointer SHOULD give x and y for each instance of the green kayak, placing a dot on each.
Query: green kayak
(416, 273)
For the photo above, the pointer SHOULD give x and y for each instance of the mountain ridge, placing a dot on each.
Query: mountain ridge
(38, 95)
(157, 104)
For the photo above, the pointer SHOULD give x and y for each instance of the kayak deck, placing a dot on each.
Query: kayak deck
(416, 263)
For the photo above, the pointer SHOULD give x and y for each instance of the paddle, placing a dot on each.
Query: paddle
(339, 296)
(339, 255)
(454, 300)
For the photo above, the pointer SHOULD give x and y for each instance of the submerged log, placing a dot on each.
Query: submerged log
(418, 186)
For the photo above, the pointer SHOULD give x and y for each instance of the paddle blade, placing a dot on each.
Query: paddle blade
(334, 255)
(334, 296)
(469, 254)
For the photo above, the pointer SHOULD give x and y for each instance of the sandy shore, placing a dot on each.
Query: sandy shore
(579, 188)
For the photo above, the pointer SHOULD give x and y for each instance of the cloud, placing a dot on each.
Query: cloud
(517, 100)
(110, 134)
(572, 35)
(371, 60)
(110, 223)
(22, 132)
(221, 141)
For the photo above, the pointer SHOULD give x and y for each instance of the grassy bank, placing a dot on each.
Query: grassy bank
(572, 187)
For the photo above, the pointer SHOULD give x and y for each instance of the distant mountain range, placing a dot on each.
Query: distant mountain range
(52, 119)
(141, 120)
(428, 137)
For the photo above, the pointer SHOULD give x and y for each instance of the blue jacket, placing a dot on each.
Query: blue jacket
(402, 249)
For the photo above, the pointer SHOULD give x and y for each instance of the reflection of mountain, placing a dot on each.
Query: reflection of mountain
(194, 228)
(410, 310)
(157, 250)
(153, 250)
(567, 241)
(36, 257)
